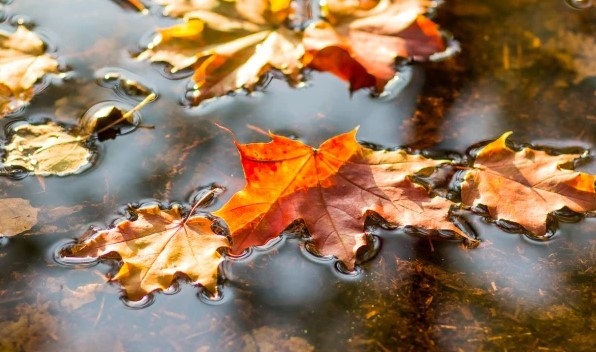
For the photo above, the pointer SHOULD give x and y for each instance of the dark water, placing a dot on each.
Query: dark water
(525, 66)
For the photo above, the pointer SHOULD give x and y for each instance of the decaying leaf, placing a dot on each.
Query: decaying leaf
(229, 45)
(156, 248)
(524, 186)
(16, 216)
(361, 40)
(47, 149)
(271, 339)
(22, 63)
(331, 188)
(33, 328)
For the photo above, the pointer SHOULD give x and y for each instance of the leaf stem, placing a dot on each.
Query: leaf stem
(151, 97)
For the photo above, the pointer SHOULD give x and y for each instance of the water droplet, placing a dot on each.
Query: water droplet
(144, 302)
(579, 4)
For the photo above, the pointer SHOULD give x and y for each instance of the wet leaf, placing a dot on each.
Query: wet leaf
(16, 216)
(361, 40)
(137, 5)
(47, 149)
(229, 45)
(525, 186)
(156, 248)
(331, 188)
(22, 62)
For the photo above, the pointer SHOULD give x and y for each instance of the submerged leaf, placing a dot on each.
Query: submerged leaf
(16, 216)
(156, 248)
(525, 186)
(47, 149)
(332, 188)
(22, 63)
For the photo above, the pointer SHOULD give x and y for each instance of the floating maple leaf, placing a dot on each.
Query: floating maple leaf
(361, 40)
(524, 186)
(331, 188)
(230, 45)
(22, 63)
(47, 149)
(50, 149)
(156, 247)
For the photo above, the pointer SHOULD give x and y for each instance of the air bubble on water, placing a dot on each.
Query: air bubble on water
(580, 4)
(145, 302)
(60, 256)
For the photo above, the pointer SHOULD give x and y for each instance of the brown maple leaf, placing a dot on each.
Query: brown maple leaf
(157, 247)
(331, 188)
(22, 63)
(229, 45)
(361, 40)
(525, 186)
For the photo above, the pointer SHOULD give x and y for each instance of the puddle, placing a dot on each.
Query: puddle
(511, 293)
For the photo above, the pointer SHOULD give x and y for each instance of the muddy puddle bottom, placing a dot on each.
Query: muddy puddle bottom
(525, 66)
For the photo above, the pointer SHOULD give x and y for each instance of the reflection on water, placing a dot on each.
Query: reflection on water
(525, 66)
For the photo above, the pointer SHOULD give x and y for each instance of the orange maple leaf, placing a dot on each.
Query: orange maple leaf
(524, 186)
(156, 248)
(361, 40)
(331, 188)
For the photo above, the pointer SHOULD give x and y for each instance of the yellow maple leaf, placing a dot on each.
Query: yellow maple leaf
(22, 62)
(156, 248)
(230, 45)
